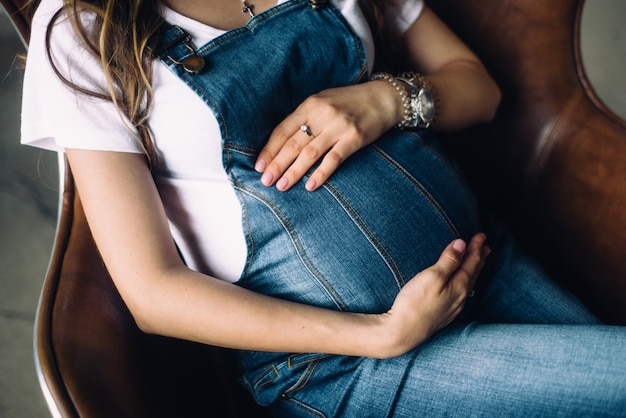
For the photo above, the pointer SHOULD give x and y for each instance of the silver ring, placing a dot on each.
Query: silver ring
(306, 130)
(471, 294)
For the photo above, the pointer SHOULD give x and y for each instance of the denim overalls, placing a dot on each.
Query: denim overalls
(383, 216)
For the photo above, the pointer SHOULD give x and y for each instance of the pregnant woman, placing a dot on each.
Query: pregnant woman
(323, 231)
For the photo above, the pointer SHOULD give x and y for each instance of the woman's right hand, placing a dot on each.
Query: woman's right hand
(129, 223)
(434, 297)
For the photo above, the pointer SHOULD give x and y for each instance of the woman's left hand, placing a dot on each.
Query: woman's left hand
(340, 121)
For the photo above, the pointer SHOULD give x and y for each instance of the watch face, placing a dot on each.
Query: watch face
(426, 105)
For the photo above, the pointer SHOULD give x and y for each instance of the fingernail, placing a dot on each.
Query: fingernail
(260, 165)
(310, 185)
(282, 184)
(459, 245)
(267, 178)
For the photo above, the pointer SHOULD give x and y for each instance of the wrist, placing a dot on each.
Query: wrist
(423, 102)
(401, 99)
(418, 100)
(385, 336)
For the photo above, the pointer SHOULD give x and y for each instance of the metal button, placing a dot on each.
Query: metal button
(193, 64)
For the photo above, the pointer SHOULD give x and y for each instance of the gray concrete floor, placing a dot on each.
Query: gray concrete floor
(29, 190)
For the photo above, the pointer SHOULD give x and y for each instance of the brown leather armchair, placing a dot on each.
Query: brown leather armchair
(553, 163)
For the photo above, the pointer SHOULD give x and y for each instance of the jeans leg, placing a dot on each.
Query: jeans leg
(521, 292)
(477, 370)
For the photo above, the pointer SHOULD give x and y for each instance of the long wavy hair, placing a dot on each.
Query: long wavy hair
(120, 38)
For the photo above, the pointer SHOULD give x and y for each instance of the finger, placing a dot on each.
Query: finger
(450, 259)
(279, 136)
(288, 153)
(467, 274)
(308, 157)
(476, 253)
(331, 161)
(275, 142)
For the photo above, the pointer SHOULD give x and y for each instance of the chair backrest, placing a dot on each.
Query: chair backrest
(95, 362)
(551, 172)
(555, 157)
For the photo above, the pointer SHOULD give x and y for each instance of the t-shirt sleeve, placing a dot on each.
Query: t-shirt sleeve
(403, 13)
(55, 116)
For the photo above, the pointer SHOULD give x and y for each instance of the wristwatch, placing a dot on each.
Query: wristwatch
(423, 100)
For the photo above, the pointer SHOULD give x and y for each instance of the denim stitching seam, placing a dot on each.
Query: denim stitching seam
(262, 376)
(251, 249)
(293, 235)
(304, 378)
(368, 233)
(304, 359)
(420, 187)
(451, 168)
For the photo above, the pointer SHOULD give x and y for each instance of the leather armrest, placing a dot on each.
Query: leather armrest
(95, 360)
(554, 159)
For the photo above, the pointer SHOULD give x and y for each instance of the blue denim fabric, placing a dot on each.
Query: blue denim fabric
(475, 370)
(318, 247)
(383, 216)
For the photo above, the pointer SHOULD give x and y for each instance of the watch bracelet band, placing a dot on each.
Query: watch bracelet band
(405, 98)
(418, 82)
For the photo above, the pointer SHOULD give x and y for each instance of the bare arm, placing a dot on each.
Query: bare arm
(467, 93)
(343, 120)
(128, 221)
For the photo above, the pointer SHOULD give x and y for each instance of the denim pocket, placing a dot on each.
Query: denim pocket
(305, 362)
(283, 378)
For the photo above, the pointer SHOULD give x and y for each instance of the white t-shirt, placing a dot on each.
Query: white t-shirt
(203, 210)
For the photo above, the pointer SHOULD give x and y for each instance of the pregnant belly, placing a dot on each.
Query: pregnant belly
(385, 215)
